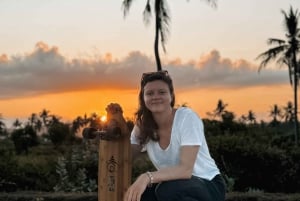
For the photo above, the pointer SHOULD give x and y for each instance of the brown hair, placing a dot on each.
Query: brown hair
(144, 118)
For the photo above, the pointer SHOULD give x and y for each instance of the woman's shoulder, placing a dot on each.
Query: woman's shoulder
(183, 112)
(187, 118)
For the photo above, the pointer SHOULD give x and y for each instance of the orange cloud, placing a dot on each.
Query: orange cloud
(3, 58)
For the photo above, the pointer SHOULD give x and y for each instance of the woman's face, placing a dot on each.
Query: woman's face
(157, 96)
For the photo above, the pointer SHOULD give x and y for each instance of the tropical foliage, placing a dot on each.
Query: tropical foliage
(73, 172)
(252, 155)
(286, 52)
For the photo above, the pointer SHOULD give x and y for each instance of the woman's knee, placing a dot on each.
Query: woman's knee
(177, 190)
(193, 189)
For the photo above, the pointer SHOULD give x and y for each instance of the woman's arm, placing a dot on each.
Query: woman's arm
(183, 170)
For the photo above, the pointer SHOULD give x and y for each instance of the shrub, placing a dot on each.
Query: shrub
(24, 138)
(257, 165)
(73, 174)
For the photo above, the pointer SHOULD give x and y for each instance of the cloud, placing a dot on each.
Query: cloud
(46, 70)
(212, 70)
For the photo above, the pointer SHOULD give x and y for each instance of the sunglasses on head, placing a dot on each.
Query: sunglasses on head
(148, 76)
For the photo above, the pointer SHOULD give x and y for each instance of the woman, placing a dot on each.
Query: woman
(176, 145)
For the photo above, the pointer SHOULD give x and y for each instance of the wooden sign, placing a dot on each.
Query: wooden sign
(114, 174)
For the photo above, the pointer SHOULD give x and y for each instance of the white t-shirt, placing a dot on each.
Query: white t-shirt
(187, 129)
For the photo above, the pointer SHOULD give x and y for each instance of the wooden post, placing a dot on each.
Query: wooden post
(114, 167)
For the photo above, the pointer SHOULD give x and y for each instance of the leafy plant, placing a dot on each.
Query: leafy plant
(72, 175)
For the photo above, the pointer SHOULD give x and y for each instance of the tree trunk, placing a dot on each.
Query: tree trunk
(296, 72)
(156, 41)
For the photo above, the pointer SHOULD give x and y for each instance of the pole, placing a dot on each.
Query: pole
(114, 166)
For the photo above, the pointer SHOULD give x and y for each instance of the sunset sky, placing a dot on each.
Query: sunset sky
(73, 57)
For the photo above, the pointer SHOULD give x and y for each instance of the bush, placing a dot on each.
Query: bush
(8, 163)
(256, 165)
(24, 138)
(58, 133)
(72, 173)
(141, 165)
(35, 173)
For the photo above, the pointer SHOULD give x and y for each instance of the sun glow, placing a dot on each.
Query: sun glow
(103, 118)
(70, 105)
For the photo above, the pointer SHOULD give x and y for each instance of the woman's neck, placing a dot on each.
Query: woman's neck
(164, 119)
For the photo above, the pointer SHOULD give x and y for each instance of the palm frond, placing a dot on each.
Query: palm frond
(291, 22)
(276, 41)
(270, 55)
(126, 4)
(163, 13)
(147, 13)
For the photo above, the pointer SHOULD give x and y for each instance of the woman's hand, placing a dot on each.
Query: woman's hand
(135, 191)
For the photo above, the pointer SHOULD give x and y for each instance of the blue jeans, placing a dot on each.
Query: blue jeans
(194, 189)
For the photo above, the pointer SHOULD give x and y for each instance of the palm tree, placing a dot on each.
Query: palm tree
(251, 117)
(35, 122)
(17, 123)
(285, 52)
(94, 120)
(2, 125)
(44, 114)
(243, 119)
(275, 113)
(38, 125)
(288, 112)
(33, 118)
(162, 22)
(220, 109)
(77, 123)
